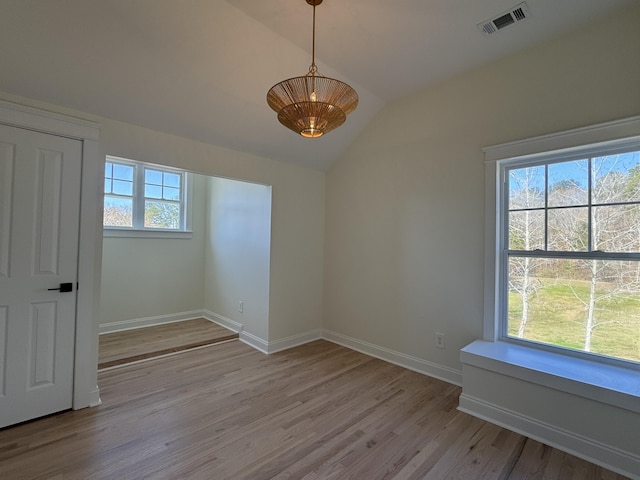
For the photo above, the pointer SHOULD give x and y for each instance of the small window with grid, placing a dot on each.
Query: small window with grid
(140, 196)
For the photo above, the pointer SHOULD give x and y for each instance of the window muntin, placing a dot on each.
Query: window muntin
(118, 195)
(571, 257)
(139, 196)
(162, 199)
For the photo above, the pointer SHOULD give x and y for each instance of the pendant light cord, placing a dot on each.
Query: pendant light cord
(313, 69)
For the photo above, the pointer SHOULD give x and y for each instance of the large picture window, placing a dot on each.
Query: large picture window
(139, 196)
(569, 246)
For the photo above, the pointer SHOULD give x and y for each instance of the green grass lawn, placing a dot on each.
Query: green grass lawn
(558, 316)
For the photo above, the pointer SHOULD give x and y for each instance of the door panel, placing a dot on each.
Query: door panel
(47, 216)
(39, 221)
(42, 330)
(6, 177)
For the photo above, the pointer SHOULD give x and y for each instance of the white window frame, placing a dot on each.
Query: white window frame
(503, 166)
(138, 229)
(584, 375)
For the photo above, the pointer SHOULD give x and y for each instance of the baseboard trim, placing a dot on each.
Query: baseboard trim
(279, 345)
(88, 399)
(388, 355)
(254, 341)
(149, 321)
(94, 397)
(294, 341)
(613, 459)
(223, 321)
(398, 358)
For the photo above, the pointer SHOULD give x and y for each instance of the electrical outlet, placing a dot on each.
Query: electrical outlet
(440, 340)
(240, 306)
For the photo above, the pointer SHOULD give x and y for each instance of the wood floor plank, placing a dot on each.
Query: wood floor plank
(319, 411)
(137, 344)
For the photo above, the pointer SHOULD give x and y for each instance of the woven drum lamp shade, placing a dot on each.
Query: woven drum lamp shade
(313, 104)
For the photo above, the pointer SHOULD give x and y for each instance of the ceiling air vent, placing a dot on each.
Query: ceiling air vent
(516, 14)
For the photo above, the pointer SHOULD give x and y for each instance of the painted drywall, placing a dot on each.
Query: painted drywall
(297, 228)
(150, 280)
(404, 245)
(601, 433)
(405, 206)
(236, 253)
(151, 277)
(297, 215)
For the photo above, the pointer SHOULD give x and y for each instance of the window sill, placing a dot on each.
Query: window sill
(608, 384)
(128, 233)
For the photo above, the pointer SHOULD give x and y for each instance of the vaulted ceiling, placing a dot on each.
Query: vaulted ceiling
(201, 68)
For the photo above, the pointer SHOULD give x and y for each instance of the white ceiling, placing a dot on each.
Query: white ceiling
(201, 68)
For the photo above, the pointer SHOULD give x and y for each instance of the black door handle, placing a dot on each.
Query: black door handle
(64, 287)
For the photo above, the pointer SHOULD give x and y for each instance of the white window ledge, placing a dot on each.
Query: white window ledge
(129, 233)
(608, 384)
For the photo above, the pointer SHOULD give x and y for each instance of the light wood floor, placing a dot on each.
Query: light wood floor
(141, 343)
(319, 411)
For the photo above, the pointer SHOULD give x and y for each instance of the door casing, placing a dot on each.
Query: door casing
(85, 391)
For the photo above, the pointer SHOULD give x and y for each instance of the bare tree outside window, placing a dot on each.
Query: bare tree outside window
(574, 240)
(526, 232)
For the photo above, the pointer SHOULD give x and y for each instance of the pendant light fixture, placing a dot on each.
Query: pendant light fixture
(312, 105)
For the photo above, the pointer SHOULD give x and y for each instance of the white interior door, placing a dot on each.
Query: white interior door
(39, 223)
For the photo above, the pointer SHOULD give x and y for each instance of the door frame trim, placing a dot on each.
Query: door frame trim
(85, 375)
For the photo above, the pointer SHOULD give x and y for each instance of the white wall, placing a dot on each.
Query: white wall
(237, 253)
(150, 277)
(297, 220)
(404, 210)
(297, 240)
(405, 206)
(153, 280)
